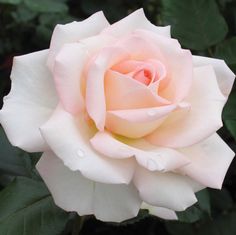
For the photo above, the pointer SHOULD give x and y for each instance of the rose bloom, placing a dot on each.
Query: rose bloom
(126, 118)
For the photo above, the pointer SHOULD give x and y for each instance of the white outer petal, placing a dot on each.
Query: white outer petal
(168, 190)
(73, 192)
(30, 102)
(161, 212)
(68, 137)
(225, 77)
(70, 190)
(210, 160)
(116, 202)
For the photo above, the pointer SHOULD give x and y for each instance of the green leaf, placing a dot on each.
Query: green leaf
(143, 214)
(47, 22)
(178, 228)
(203, 198)
(91, 6)
(13, 2)
(196, 24)
(190, 215)
(197, 211)
(227, 51)
(229, 114)
(23, 14)
(44, 6)
(221, 200)
(223, 3)
(27, 208)
(12, 160)
(222, 225)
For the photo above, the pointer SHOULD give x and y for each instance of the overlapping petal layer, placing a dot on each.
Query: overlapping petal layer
(30, 102)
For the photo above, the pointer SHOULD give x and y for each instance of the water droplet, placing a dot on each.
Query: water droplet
(151, 112)
(184, 105)
(80, 153)
(151, 165)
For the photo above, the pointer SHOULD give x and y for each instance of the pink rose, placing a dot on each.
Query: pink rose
(125, 117)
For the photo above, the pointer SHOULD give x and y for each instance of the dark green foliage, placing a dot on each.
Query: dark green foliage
(227, 51)
(207, 27)
(198, 211)
(230, 114)
(197, 24)
(27, 208)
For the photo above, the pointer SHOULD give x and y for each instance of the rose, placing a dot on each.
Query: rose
(123, 115)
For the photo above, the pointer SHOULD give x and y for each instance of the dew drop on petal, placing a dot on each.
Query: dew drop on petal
(151, 113)
(184, 105)
(80, 153)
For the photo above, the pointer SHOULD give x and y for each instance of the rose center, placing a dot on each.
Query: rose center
(144, 76)
(146, 72)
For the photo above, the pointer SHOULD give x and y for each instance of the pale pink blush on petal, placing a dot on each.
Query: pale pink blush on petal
(68, 73)
(182, 129)
(70, 67)
(72, 32)
(154, 159)
(123, 92)
(95, 97)
(142, 48)
(146, 72)
(178, 63)
(136, 123)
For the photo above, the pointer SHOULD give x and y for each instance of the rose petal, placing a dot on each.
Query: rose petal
(136, 20)
(151, 157)
(161, 212)
(123, 92)
(178, 63)
(75, 31)
(168, 190)
(69, 69)
(68, 137)
(30, 102)
(136, 123)
(225, 77)
(95, 97)
(116, 203)
(68, 72)
(210, 160)
(70, 190)
(183, 129)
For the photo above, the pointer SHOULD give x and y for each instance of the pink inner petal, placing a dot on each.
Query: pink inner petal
(146, 72)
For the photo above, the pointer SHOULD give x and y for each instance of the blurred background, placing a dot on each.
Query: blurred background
(206, 27)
